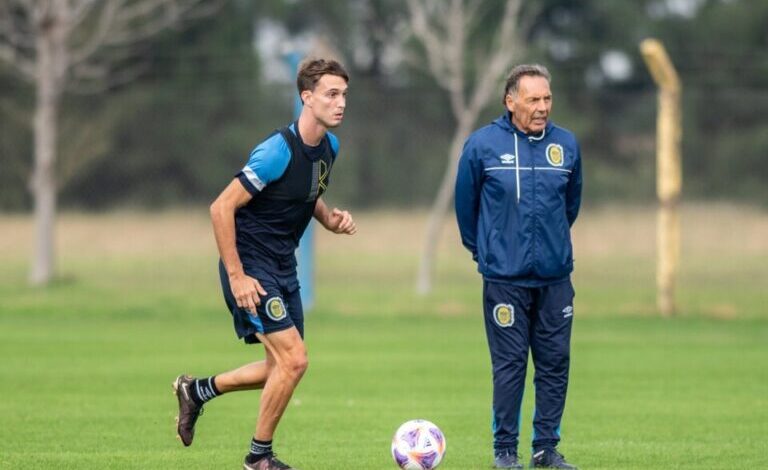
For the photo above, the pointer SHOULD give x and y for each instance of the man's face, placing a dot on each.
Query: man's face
(328, 100)
(531, 105)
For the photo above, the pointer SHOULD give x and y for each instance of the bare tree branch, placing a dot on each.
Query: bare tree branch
(80, 11)
(99, 34)
(145, 9)
(471, 9)
(39, 11)
(141, 21)
(430, 40)
(455, 22)
(504, 55)
(444, 37)
(177, 10)
(88, 71)
(14, 31)
(94, 79)
(80, 45)
(23, 65)
(205, 9)
(83, 146)
(16, 41)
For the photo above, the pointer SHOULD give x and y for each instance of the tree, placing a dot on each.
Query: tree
(76, 45)
(444, 28)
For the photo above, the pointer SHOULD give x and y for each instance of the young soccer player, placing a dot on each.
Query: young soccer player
(258, 221)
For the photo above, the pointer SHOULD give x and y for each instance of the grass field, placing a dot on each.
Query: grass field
(86, 365)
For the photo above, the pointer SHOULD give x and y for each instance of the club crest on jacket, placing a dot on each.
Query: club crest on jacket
(555, 154)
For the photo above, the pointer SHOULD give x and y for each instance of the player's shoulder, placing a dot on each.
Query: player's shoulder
(270, 158)
(273, 146)
(334, 142)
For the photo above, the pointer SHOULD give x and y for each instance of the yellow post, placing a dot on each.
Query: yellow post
(669, 174)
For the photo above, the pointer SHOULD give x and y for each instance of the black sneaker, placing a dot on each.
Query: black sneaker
(550, 458)
(269, 462)
(189, 411)
(506, 459)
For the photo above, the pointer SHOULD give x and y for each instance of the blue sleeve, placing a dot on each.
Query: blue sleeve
(334, 144)
(467, 196)
(266, 164)
(573, 191)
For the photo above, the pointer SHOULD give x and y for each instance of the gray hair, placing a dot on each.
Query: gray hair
(520, 71)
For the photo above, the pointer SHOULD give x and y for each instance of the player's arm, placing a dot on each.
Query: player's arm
(334, 220)
(245, 288)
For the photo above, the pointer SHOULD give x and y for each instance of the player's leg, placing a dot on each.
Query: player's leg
(506, 326)
(286, 350)
(192, 392)
(251, 376)
(283, 318)
(550, 348)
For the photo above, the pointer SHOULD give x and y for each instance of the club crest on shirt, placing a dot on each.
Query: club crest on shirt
(504, 315)
(275, 308)
(507, 159)
(555, 154)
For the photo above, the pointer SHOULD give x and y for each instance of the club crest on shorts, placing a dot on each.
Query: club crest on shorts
(504, 315)
(275, 308)
(555, 154)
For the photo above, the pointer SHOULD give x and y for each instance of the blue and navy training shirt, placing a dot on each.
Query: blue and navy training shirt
(285, 178)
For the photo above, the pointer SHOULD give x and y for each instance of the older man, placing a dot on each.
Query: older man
(518, 192)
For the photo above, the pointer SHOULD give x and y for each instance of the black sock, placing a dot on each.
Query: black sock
(259, 449)
(204, 390)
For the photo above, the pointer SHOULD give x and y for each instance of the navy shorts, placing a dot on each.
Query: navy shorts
(280, 309)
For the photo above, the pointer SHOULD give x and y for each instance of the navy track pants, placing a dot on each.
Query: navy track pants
(516, 319)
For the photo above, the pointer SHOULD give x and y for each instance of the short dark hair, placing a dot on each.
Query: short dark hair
(520, 71)
(311, 70)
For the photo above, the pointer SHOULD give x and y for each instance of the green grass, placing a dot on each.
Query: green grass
(86, 365)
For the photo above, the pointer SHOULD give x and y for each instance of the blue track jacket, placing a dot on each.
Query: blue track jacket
(517, 196)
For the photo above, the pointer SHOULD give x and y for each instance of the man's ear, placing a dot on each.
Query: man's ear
(305, 95)
(509, 102)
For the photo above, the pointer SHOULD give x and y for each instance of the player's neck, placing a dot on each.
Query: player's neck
(311, 130)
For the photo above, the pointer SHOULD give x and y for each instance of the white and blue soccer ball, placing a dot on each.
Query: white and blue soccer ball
(418, 445)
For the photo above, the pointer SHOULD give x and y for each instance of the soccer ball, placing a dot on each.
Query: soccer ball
(418, 445)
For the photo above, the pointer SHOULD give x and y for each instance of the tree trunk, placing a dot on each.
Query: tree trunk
(43, 185)
(441, 206)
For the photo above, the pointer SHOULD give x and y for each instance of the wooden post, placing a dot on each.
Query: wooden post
(668, 172)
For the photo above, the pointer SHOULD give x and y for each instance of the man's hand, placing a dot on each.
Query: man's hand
(246, 291)
(340, 221)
